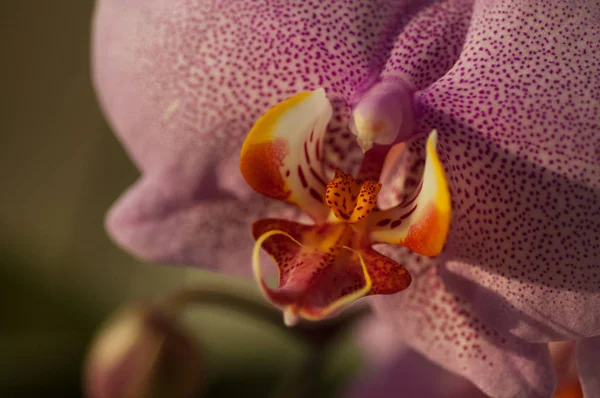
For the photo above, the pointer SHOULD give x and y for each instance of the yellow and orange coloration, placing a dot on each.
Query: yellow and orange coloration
(328, 265)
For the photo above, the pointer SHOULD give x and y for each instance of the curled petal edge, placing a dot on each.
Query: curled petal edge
(292, 312)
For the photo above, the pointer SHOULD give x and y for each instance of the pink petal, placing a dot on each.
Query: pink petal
(423, 51)
(518, 119)
(409, 374)
(377, 341)
(167, 219)
(429, 44)
(447, 330)
(183, 79)
(182, 83)
(588, 365)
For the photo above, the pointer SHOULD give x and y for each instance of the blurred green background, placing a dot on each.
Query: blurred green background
(61, 169)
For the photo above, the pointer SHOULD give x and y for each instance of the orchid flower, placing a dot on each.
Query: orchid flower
(324, 266)
(512, 89)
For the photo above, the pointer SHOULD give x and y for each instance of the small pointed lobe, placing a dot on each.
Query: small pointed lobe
(289, 318)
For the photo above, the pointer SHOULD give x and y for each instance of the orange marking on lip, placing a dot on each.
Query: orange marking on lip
(570, 389)
(260, 165)
(428, 235)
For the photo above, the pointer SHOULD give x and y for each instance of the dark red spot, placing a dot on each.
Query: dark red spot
(383, 222)
(306, 152)
(395, 224)
(315, 195)
(318, 149)
(343, 215)
(416, 195)
(318, 177)
(302, 178)
(409, 213)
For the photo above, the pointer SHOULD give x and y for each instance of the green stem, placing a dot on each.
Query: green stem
(317, 334)
(303, 380)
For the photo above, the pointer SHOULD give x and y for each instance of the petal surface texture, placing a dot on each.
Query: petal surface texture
(447, 330)
(409, 374)
(159, 219)
(518, 119)
(515, 102)
(183, 82)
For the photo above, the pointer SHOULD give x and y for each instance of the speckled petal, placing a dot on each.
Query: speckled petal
(429, 44)
(409, 374)
(447, 330)
(181, 79)
(588, 364)
(182, 82)
(518, 118)
(425, 49)
(282, 155)
(160, 220)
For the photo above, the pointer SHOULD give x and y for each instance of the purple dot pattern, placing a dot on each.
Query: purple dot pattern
(429, 44)
(519, 121)
(511, 86)
(182, 82)
(446, 329)
(518, 118)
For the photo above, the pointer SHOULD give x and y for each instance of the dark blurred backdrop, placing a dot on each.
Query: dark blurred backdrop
(61, 168)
